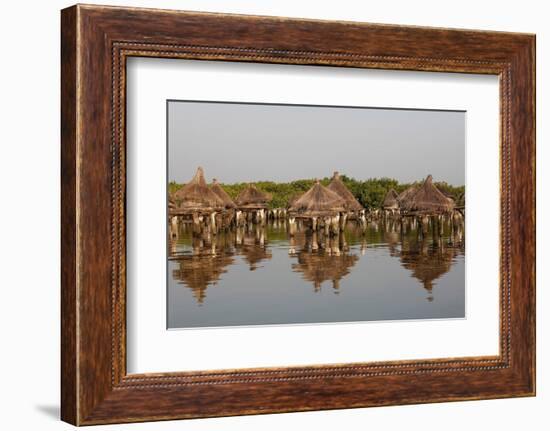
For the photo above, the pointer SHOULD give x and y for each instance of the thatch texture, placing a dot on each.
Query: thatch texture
(404, 197)
(293, 199)
(197, 196)
(447, 195)
(252, 198)
(222, 194)
(390, 201)
(171, 204)
(428, 200)
(337, 186)
(318, 201)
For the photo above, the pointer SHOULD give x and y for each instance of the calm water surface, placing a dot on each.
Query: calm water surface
(262, 276)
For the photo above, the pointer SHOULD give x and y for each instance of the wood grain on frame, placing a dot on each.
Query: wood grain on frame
(95, 42)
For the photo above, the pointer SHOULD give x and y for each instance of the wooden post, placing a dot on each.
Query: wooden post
(314, 224)
(363, 221)
(335, 241)
(335, 224)
(314, 242)
(196, 223)
(174, 226)
(213, 225)
(343, 221)
(291, 226)
(326, 226)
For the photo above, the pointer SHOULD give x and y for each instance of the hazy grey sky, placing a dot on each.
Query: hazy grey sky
(246, 142)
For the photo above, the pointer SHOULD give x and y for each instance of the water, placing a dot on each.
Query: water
(262, 276)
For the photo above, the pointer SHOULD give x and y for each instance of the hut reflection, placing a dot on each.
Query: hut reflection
(322, 258)
(428, 261)
(251, 243)
(201, 260)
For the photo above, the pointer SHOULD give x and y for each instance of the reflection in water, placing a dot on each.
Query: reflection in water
(382, 269)
(427, 261)
(325, 260)
(204, 266)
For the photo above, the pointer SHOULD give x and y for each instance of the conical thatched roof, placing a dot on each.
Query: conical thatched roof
(337, 186)
(428, 199)
(196, 195)
(390, 201)
(251, 197)
(293, 199)
(318, 201)
(404, 197)
(447, 195)
(171, 204)
(222, 194)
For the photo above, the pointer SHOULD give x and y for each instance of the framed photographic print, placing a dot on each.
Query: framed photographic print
(267, 215)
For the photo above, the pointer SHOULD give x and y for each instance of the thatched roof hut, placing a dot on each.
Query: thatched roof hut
(404, 197)
(318, 201)
(447, 194)
(222, 194)
(428, 200)
(197, 196)
(293, 199)
(390, 201)
(171, 204)
(337, 186)
(252, 198)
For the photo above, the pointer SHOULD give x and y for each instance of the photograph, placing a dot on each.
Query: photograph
(264, 210)
(281, 214)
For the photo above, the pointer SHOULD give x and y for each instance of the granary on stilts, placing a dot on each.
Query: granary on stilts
(390, 204)
(460, 205)
(318, 207)
(353, 209)
(196, 203)
(227, 217)
(428, 199)
(404, 197)
(252, 205)
(428, 202)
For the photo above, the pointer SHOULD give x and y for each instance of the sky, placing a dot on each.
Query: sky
(237, 142)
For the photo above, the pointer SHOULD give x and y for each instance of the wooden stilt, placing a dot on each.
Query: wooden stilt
(291, 226)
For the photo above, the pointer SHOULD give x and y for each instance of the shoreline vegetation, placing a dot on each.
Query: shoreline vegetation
(369, 193)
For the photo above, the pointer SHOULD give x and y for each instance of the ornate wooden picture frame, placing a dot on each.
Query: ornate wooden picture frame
(96, 41)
